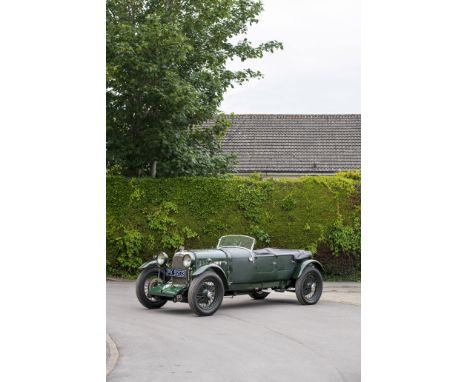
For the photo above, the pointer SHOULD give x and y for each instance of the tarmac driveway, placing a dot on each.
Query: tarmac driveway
(275, 339)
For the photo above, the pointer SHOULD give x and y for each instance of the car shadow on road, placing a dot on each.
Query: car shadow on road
(231, 306)
(258, 303)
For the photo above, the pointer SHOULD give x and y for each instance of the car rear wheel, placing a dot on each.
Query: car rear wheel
(146, 280)
(258, 294)
(309, 286)
(206, 293)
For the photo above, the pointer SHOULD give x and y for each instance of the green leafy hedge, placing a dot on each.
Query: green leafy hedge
(320, 213)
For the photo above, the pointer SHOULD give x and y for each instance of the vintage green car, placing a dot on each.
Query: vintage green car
(203, 277)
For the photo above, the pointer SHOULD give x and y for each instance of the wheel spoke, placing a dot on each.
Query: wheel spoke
(309, 286)
(206, 294)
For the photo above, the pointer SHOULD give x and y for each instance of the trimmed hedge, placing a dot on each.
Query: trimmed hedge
(320, 213)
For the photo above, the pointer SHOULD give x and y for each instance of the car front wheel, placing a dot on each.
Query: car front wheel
(145, 281)
(206, 293)
(309, 286)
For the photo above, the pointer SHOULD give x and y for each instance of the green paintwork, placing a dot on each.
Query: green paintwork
(298, 272)
(148, 264)
(167, 290)
(207, 267)
(241, 270)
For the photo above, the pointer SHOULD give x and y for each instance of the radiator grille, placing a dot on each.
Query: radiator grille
(178, 262)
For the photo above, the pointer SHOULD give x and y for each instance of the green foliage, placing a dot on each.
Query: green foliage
(345, 239)
(129, 246)
(261, 236)
(114, 169)
(313, 248)
(288, 203)
(137, 193)
(250, 196)
(166, 75)
(196, 211)
(162, 220)
(351, 174)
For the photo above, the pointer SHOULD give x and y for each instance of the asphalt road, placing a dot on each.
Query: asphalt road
(275, 339)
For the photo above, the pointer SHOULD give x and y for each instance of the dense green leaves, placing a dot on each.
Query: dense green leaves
(317, 213)
(344, 239)
(166, 75)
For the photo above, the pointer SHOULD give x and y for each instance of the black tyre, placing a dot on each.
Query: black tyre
(206, 293)
(309, 286)
(258, 294)
(146, 279)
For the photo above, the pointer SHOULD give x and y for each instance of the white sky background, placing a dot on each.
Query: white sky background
(318, 71)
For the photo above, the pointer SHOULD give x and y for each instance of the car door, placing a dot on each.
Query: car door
(265, 266)
(285, 266)
(241, 269)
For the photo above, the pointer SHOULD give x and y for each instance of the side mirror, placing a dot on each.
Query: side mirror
(252, 257)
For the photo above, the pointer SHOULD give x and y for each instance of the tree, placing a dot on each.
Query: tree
(166, 76)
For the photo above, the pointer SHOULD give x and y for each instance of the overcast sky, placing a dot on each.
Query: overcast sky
(319, 69)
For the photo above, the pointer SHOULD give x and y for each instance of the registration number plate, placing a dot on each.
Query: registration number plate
(174, 272)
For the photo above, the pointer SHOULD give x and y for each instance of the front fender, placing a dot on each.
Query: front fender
(299, 270)
(214, 267)
(149, 264)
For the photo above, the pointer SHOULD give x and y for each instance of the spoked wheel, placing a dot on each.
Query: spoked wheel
(309, 286)
(258, 294)
(206, 293)
(145, 281)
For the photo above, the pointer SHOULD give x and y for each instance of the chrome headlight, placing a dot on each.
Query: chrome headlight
(187, 261)
(162, 258)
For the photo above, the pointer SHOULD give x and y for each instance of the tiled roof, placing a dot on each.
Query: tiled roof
(303, 143)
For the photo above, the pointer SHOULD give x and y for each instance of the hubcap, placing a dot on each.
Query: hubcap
(150, 282)
(207, 296)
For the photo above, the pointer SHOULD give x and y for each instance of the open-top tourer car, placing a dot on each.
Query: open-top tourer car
(202, 277)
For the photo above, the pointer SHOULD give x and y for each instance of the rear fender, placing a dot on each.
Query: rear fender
(215, 268)
(300, 269)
